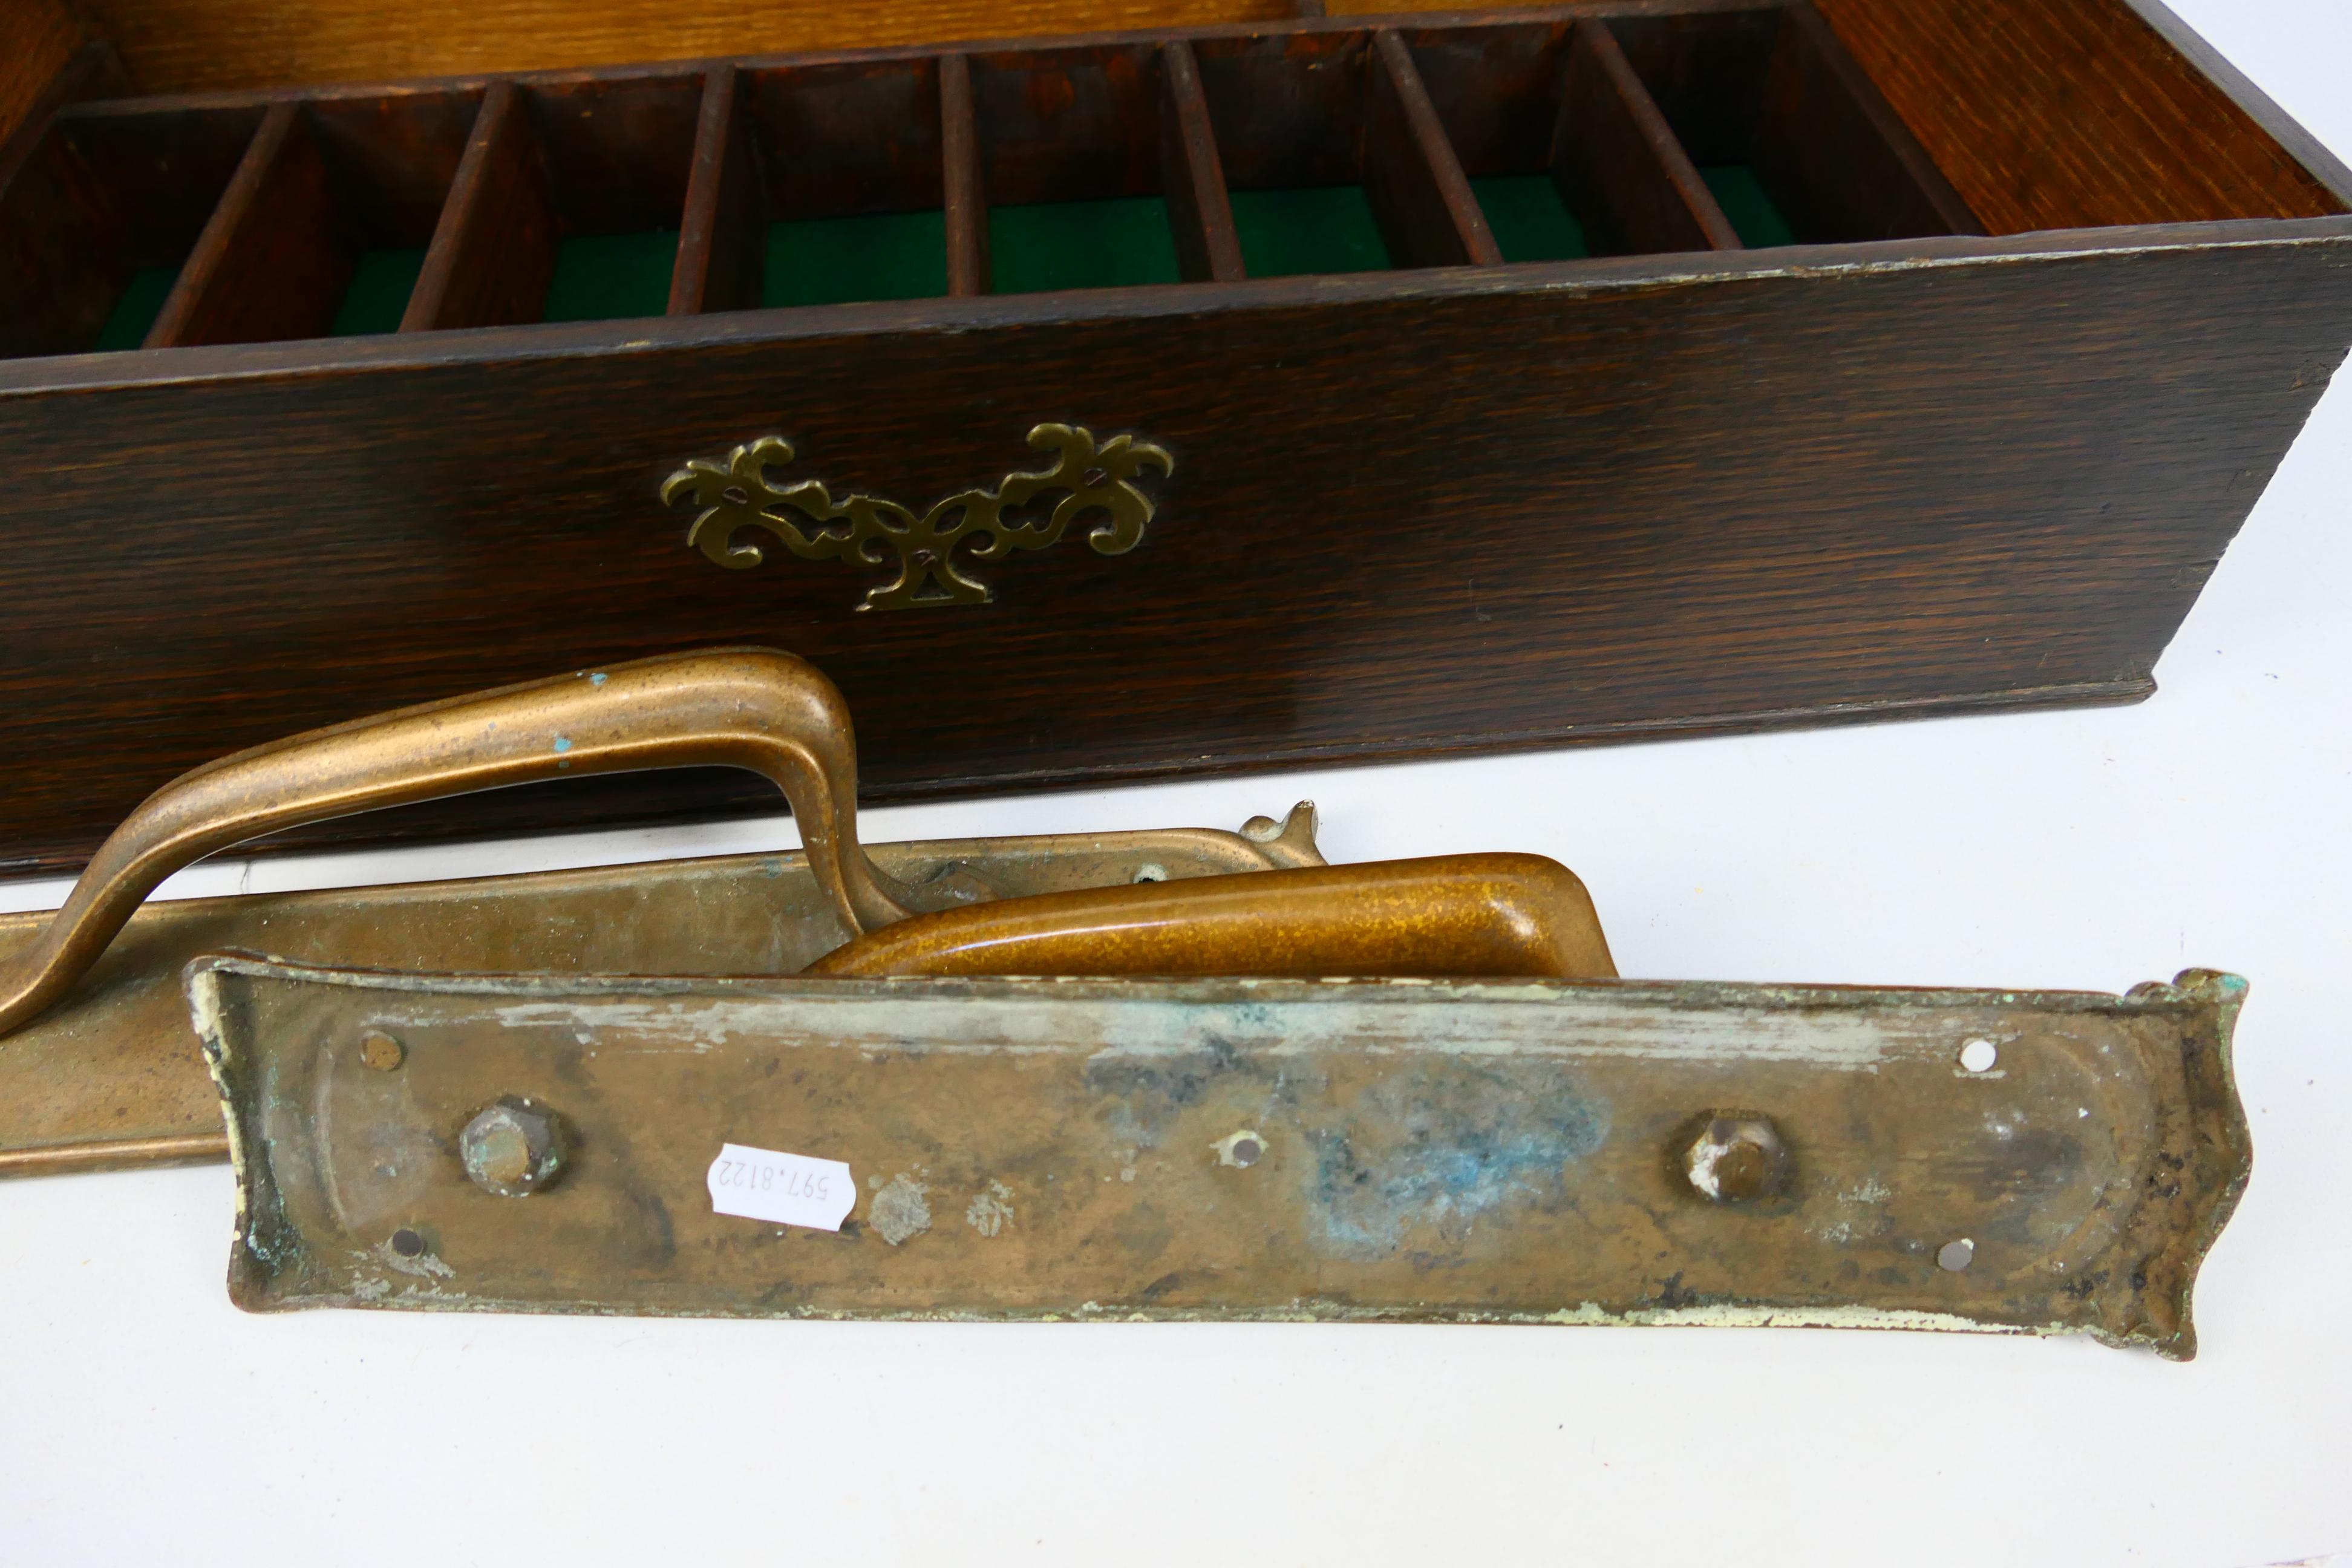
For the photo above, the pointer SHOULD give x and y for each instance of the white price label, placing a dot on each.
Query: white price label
(783, 1189)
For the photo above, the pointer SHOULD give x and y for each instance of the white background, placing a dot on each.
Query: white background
(2210, 825)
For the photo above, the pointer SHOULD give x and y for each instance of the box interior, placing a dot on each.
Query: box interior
(620, 193)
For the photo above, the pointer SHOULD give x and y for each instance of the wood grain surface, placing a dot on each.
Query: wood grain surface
(1193, 177)
(99, 196)
(962, 181)
(274, 259)
(493, 252)
(394, 160)
(722, 237)
(1413, 511)
(1410, 512)
(1617, 162)
(1840, 162)
(1984, 82)
(38, 40)
(1774, 89)
(189, 46)
(1424, 204)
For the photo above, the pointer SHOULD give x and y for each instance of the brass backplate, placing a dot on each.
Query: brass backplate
(111, 1077)
(1526, 1152)
(1095, 482)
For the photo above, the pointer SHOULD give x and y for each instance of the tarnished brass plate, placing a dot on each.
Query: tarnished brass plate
(1095, 481)
(111, 1076)
(1524, 1152)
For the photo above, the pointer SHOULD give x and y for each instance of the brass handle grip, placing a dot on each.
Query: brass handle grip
(747, 706)
(1450, 915)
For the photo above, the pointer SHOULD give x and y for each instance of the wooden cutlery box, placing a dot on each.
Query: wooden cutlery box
(1235, 391)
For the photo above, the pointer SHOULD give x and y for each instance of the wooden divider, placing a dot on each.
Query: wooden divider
(1193, 177)
(493, 254)
(1618, 164)
(721, 238)
(1837, 160)
(274, 260)
(965, 193)
(1773, 92)
(562, 177)
(1419, 196)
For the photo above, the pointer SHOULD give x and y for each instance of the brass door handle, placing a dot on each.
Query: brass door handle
(1448, 915)
(747, 706)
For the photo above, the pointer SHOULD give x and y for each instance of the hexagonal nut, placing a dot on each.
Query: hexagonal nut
(1734, 1157)
(515, 1147)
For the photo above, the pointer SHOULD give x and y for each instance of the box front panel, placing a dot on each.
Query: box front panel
(1393, 525)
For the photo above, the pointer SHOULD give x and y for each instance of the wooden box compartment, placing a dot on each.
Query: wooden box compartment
(1595, 372)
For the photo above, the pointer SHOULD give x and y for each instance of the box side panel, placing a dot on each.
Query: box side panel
(1395, 525)
(2072, 114)
(196, 46)
(38, 38)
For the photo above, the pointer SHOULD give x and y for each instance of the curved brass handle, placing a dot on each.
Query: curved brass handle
(1457, 915)
(746, 707)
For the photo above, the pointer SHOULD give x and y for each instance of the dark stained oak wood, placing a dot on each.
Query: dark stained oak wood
(1494, 90)
(1200, 213)
(274, 259)
(493, 255)
(1775, 91)
(1617, 163)
(1067, 124)
(393, 159)
(1705, 71)
(1985, 473)
(186, 45)
(1990, 86)
(1988, 80)
(2202, 64)
(94, 71)
(1837, 160)
(966, 192)
(57, 276)
(721, 240)
(1887, 471)
(40, 42)
(1419, 196)
(1287, 107)
(840, 138)
(98, 197)
(619, 148)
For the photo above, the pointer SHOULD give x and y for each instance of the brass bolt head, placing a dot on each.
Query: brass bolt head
(1241, 1148)
(1736, 1157)
(515, 1148)
(382, 1051)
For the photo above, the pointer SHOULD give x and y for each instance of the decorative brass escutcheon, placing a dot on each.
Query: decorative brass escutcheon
(735, 494)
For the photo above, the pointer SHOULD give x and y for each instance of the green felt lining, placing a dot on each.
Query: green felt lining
(378, 295)
(875, 255)
(1308, 228)
(135, 311)
(611, 277)
(1107, 244)
(1753, 218)
(1527, 219)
